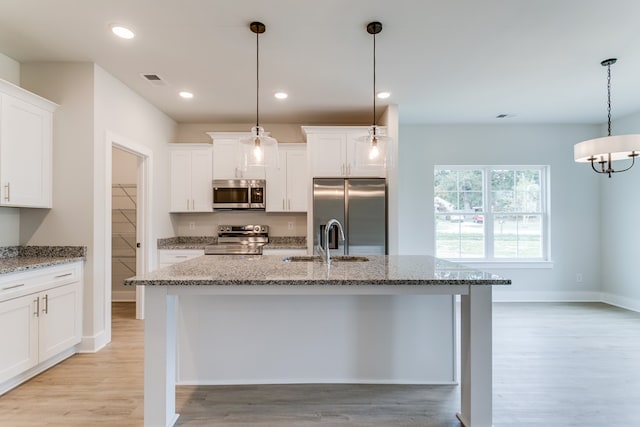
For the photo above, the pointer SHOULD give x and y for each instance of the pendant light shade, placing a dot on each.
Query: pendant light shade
(608, 149)
(372, 149)
(258, 149)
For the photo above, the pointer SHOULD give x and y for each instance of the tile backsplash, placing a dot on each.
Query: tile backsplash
(205, 224)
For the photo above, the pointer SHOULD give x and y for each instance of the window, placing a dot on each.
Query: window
(491, 213)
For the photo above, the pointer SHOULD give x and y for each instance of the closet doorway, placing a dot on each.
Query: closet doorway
(124, 199)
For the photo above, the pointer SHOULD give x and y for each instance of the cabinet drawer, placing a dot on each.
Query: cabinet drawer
(172, 256)
(13, 285)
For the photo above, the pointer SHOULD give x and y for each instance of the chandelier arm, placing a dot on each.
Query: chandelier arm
(596, 170)
(633, 161)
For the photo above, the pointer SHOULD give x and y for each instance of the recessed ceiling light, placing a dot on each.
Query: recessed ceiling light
(281, 95)
(122, 32)
(384, 95)
(186, 95)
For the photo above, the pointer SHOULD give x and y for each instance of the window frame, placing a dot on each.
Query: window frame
(489, 216)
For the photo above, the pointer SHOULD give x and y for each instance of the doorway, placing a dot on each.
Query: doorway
(142, 244)
(124, 186)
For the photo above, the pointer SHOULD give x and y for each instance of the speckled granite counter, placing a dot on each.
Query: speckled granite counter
(21, 258)
(199, 242)
(272, 270)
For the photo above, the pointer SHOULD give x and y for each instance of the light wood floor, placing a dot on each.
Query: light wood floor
(554, 365)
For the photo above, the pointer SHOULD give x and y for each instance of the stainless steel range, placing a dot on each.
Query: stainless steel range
(239, 240)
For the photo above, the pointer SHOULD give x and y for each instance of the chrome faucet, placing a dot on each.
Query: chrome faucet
(327, 228)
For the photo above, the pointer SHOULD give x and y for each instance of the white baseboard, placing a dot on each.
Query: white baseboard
(41, 367)
(123, 296)
(623, 302)
(252, 381)
(92, 344)
(548, 296)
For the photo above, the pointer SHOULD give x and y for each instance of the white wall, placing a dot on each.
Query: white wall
(9, 69)
(92, 103)
(575, 212)
(9, 217)
(620, 204)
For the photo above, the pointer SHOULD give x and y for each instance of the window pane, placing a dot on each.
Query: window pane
(517, 236)
(457, 237)
(457, 190)
(528, 191)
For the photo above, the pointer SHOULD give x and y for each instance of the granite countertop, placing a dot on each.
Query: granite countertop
(199, 242)
(271, 270)
(22, 258)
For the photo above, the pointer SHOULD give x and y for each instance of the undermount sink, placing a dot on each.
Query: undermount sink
(317, 258)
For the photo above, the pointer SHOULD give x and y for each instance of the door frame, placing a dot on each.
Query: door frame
(143, 213)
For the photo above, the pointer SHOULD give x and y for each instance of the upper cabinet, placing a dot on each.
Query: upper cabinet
(191, 175)
(26, 139)
(288, 182)
(334, 152)
(226, 157)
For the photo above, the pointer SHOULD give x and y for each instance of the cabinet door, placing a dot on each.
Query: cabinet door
(276, 197)
(25, 153)
(357, 151)
(60, 327)
(226, 159)
(19, 336)
(201, 176)
(327, 154)
(180, 181)
(298, 181)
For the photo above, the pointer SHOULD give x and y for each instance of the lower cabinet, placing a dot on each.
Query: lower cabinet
(167, 257)
(284, 252)
(40, 318)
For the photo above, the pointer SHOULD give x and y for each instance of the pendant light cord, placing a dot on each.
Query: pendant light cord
(374, 80)
(257, 78)
(609, 98)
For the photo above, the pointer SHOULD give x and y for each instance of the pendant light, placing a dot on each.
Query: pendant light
(373, 147)
(608, 149)
(259, 149)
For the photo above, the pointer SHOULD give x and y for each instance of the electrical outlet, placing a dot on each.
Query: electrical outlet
(192, 225)
(290, 225)
(579, 277)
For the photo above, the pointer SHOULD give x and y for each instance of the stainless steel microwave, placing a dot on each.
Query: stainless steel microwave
(239, 194)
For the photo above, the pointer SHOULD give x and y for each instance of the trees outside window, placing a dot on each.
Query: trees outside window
(491, 212)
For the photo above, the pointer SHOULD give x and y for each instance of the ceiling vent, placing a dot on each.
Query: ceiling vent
(153, 79)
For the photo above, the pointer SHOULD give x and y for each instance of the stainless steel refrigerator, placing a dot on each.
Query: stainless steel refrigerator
(360, 204)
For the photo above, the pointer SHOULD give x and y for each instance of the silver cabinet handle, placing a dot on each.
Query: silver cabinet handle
(289, 204)
(349, 169)
(193, 204)
(13, 287)
(36, 302)
(62, 275)
(282, 204)
(187, 204)
(7, 192)
(181, 256)
(46, 304)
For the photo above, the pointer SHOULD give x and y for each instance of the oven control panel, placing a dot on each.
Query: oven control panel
(242, 230)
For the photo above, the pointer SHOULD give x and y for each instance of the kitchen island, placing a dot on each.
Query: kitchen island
(271, 275)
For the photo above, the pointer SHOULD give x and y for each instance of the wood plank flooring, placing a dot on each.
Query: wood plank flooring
(564, 364)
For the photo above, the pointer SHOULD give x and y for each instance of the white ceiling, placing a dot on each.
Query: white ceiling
(443, 61)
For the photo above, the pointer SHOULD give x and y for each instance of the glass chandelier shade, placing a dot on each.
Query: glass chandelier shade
(258, 149)
(606, 150)
(372, 149)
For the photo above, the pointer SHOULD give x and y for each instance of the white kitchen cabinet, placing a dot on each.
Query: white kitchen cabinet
(226, 157)
(169, 257)
(287, 185)
(26, 138)
(284, 252)
(40, 319)
(333, 152)
(191, 175)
